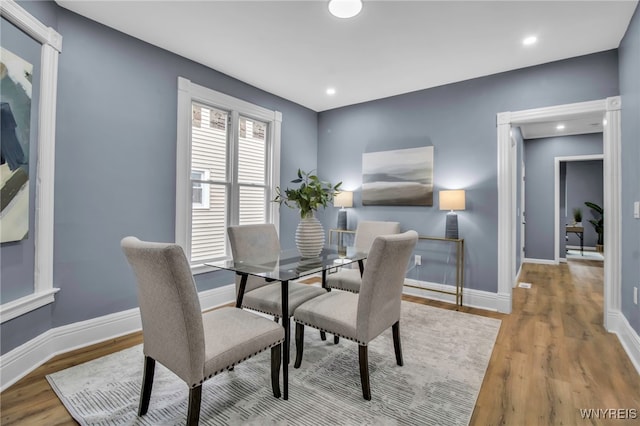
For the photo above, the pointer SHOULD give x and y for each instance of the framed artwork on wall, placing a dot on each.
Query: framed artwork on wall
(15, 117)
(401, 177)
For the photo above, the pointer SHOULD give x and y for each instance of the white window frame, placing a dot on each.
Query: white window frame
(51, 41)
(189, 92)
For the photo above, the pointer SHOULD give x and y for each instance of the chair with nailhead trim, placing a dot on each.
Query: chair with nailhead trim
(364, 316)
(194, 345)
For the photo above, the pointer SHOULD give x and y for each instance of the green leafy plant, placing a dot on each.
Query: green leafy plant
(577, 214)
(598, 222)
(309, 196)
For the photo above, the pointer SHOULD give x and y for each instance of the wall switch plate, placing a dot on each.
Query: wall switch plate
(636, 210)
(418, 259)
(635, 295)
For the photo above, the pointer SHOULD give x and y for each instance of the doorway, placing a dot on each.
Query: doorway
(559, 232)
(610, 109)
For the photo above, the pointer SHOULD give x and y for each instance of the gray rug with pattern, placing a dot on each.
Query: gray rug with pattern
(446, 354)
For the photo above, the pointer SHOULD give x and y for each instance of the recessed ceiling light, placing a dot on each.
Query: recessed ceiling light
(345, 8)
(604, 121)
(560, 127)
(331, 91)
(530, 40)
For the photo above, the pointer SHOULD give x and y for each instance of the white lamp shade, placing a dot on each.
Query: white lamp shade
(343, 199)
(452, 200)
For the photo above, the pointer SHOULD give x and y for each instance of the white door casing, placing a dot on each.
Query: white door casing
(610, 107)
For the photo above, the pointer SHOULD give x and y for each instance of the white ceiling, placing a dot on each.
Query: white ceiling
(575, 125)
(296, 49)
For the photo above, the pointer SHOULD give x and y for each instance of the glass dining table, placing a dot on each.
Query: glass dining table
(285, 266)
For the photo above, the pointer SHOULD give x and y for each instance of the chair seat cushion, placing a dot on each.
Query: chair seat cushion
(335, 312)
(345, 279)
(232, 335)
(268, 299)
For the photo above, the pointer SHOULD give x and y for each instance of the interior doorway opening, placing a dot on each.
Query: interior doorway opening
(610, 108)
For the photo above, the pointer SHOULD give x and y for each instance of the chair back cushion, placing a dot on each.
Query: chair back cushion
(253, 242)
(381, 288)
(169, 306)
(368, 230)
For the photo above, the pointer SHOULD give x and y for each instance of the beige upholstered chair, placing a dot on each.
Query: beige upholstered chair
(347, 278)
(362, 317)
(260, 243)
(193, 345)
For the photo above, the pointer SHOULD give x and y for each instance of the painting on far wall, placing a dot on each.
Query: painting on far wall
(401, 177)
(15, 102)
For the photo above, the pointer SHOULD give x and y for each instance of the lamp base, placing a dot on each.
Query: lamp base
(342, 219)
(451, 230)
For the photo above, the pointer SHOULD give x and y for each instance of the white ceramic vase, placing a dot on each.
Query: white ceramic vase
(309, 237)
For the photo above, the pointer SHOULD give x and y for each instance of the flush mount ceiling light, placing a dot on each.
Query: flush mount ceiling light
(345, 8)
(530, 40)
(331, 91)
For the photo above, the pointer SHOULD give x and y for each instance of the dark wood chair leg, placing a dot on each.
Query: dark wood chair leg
(364, 371)
(193, 413)
(396, 343)
(147, 384)
(299, 344)
(276, 360)
(336, 340)
(323, 335)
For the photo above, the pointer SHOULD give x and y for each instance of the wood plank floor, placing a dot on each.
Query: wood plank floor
(551, 359)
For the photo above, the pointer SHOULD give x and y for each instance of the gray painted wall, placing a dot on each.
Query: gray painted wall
(459, 120)
(115, 164)
(630, 93)
(111, 79)
(583, 183)
(17, 258)
(539, 187)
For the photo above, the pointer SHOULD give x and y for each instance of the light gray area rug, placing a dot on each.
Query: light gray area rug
(446, 354)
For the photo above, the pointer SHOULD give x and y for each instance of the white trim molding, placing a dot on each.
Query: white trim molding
(627, 335)
(471, 297)
(21, 306)
(43, 291)
(610, 108)
(20, 361)
(539, 261)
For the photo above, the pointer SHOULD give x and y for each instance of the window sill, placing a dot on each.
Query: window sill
(202, 269)
(15, 308)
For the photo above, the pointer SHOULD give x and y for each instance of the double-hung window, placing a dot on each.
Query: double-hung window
(227, 167)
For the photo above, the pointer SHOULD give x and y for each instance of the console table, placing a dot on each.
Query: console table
(579, 231)
(459, 243)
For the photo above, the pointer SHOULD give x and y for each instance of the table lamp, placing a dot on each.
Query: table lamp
(452, 200)
(343, 199)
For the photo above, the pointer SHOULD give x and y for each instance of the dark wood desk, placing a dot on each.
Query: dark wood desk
(579, 231)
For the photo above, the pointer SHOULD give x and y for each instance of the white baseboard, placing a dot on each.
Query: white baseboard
(618, 324)
(472, 298)
(540, 261)
(20, 361)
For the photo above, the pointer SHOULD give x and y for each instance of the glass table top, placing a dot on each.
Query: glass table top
(289, 265)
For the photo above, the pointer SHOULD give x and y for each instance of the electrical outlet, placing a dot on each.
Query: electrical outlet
(418, 260)
(635, 295)
(636, 210)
